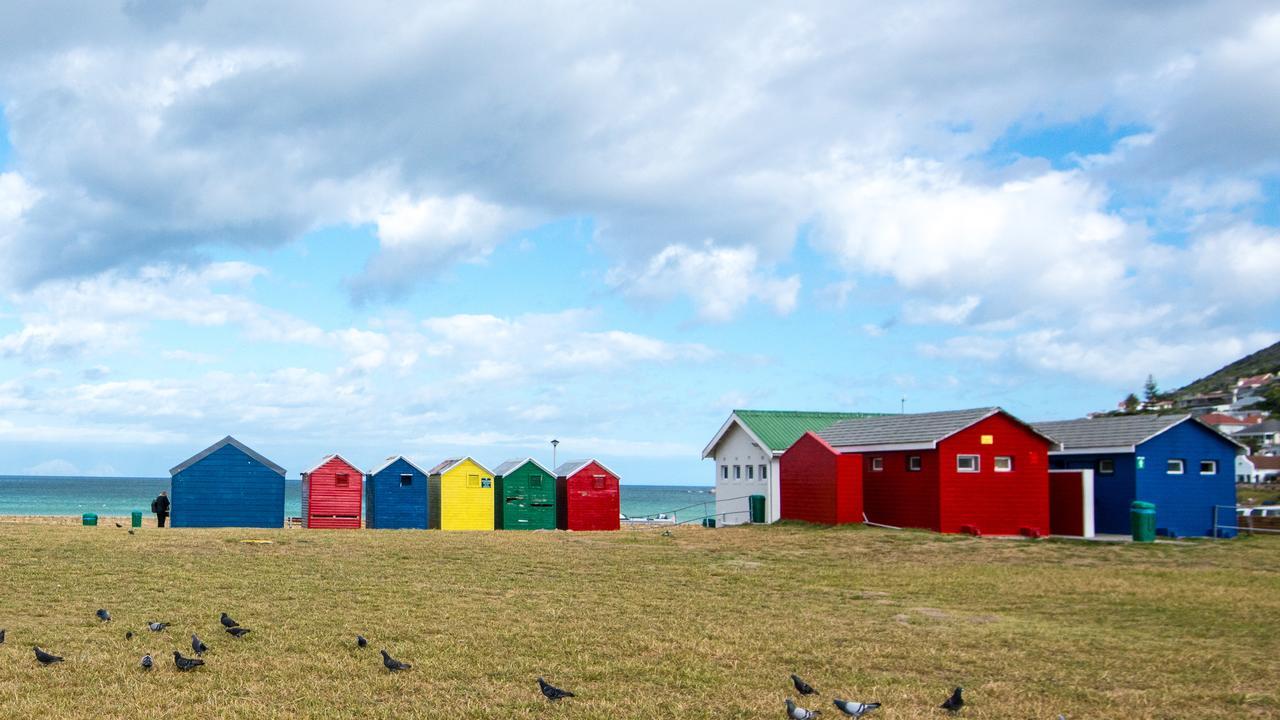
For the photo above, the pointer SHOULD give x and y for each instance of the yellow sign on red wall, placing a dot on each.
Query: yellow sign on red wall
(988, 439)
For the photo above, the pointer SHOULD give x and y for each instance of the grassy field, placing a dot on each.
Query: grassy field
(1268, 494)
(699, 624)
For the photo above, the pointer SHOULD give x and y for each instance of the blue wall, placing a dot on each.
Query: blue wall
(228, 489)
(1111, 493)
(388, 505)
(1184, 503)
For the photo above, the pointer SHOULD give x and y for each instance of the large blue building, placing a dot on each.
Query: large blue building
(395, 496)
(1183, 466)
(227, 485)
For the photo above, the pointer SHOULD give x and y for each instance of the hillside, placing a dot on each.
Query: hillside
(1264, 361)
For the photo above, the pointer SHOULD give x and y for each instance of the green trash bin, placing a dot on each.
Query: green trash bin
(136, 518)
(1142, 521)
(89, 519)
(708, 522)
(757, 508)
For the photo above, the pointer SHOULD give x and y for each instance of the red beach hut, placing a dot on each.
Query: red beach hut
(587, 496)
(331, 494)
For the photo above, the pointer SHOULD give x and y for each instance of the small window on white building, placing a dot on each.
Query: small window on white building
(1106, 467)
(877, 464)
(724, 472)
(1208, 467)
(967, 463)
(913, 463)
(1004, 463)
(737, 472)
(764, 472)
(751, 472)
(1174, 467)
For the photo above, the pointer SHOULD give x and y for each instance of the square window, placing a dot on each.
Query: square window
(535, 481)
(1004, 463)
(751, 472)
(877, 464)
(341, 479)
(1208, 467)
(913, 463)
(724, 472)
(1106, 467)
(737, 472)
(406, 480)
(473, 481)
(764, 472)
(597, 482)
(967, 463)
(1174, 467)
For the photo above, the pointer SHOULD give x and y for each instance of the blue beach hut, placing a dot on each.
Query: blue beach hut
(227, 485)
(395, 496)
(1177, 462)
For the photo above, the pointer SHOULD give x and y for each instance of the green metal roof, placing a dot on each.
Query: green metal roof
(779, 429)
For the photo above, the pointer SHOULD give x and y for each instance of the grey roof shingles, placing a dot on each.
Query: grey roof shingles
(1109, 431)
(913, 429)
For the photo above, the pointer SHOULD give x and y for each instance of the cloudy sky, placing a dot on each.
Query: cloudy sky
(472, 227)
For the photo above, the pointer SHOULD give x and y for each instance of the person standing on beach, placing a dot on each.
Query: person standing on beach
(160, 506)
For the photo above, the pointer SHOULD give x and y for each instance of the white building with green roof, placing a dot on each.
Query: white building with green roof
(747, 450)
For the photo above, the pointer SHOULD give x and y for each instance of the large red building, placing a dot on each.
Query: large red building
(331, 494)
(587, 496)
(979, 470)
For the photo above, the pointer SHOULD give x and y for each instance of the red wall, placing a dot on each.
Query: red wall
(581, 506)
(819, 485)
(330, 506)
(997, 503)
(898, 496)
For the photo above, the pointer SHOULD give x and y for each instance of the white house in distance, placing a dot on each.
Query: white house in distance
(747, 450)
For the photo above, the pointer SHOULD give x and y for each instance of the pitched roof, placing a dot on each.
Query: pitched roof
(1124, 432)
(1265, 462)
(777, 430)
(1224, 419)
(391, 460)
(515, 464)
(326, 459)
(228, 440)
(566, 469)
(915, 429)
(445, 466)
(1265, 427)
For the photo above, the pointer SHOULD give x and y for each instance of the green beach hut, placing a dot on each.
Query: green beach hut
(524, 496)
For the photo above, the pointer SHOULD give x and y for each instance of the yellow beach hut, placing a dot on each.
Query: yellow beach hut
(460, 495)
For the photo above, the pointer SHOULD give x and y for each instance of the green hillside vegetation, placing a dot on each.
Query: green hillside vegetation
(639, 623)
(1264, 361)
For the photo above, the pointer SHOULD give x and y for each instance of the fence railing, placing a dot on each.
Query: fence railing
(1244, 522)
(708, 511)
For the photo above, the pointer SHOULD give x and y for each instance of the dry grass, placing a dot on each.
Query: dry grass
(699, 624)
(1268, 494)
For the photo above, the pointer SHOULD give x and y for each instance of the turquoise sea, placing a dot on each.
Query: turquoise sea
(118, 496)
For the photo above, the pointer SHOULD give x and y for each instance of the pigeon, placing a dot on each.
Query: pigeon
(46, 658)
(393, 664)
(551, 691)
(361, 642)
(955, 702)
(238, 632)
(795, 712)
(119, 525)
(157, 626)
(146, 662)
(130, 532)
(185, 663)
(198, 645)
(103, 615)
(1, 636)
(803, 687)
(227, 621)
(854, 709)
(128, 634)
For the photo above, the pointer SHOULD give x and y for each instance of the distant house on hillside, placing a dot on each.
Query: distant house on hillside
(747, 449)
(1252, 386)
(1177, 462)
(1266, 434)
(1266, 469)
(1229, 424)
(1205, 402)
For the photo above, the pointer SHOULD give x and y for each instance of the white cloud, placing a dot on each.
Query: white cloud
(57, 466)
(721, 281)
(1238, 264)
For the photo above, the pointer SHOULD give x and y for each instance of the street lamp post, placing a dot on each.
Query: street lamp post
(554, 443)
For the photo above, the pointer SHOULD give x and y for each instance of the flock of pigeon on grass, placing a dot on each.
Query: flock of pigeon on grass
(848, 708)
(852, 708)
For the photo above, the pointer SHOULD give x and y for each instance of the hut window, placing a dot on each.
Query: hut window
(597, 482)
(535, 481)
(1106, 467)
(967, 463)
(1174, 467)
(341, 479)
(1004, 463)
(877, 464)
(1208, 467)
(913, 463)
(406, 480)
(764, 472)
(751, 472)
(473, 481)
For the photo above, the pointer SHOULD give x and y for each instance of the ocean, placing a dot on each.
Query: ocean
(118, 496)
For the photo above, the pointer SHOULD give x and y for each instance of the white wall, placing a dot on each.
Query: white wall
(737, 448)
